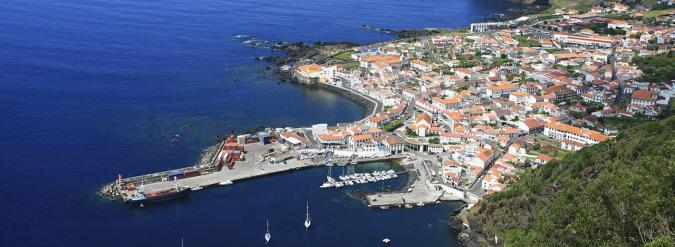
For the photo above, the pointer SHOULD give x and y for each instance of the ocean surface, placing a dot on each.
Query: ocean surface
(91, 88)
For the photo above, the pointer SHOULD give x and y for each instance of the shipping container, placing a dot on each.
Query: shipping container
(189, 174)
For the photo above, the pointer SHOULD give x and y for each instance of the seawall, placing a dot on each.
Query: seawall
(372, 106)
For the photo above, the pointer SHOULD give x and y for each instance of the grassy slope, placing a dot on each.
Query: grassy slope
(617, 193)
(573, 4)
(655, 13)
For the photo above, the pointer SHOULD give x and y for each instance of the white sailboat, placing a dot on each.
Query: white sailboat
(330, 182)
(268, 236)
(308, 221)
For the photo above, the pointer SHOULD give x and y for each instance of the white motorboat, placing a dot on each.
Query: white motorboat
(196, 188)
(386, 240)
(326, 185)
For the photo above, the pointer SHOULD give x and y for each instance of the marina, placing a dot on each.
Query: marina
(359, 178)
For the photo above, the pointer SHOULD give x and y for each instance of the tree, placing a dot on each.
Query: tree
(577, 114)
(390, 127)
(410, 133)
(665, 241)
(656, 69)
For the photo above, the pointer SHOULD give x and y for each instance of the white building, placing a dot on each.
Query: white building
(560, 131)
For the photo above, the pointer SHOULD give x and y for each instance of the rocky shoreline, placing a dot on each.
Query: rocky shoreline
(408, 33)
(510, 14)
(465, 235)
(295, 52)
(318, 52)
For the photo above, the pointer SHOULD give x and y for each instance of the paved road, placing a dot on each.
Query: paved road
(475, 187)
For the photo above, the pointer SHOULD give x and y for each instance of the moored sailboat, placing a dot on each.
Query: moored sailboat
(308, 221)
(268, 236)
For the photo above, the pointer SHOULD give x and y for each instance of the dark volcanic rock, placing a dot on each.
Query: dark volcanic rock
(409, 33)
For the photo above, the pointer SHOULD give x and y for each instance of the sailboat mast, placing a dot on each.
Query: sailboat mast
(308, 221)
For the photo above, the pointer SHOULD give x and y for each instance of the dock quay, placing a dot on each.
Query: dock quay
(421, 192)
(417, 194)
(257, 161)
(404, 198)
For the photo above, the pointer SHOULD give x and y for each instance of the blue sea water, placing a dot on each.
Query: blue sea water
(94, 88)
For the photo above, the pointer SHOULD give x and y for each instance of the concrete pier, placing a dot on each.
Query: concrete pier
(246, 169)
(404, 198)
(251, 167)
(421, 191)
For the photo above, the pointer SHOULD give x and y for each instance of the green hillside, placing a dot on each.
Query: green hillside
(617, 193)
(573, 4)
